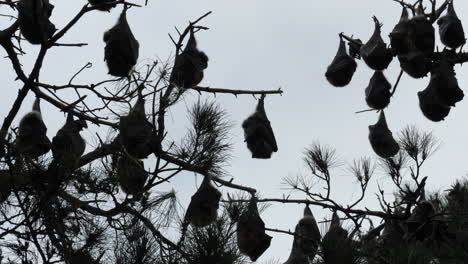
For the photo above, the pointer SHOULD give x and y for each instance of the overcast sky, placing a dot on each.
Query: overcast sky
(265, 44)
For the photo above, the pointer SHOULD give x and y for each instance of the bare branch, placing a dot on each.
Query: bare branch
(235, 92)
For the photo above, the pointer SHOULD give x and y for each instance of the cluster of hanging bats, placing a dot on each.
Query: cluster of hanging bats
(307, 240)
(412, 41)
(338, 246)
(136, 133)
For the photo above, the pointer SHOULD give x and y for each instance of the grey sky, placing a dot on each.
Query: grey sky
(264, 45)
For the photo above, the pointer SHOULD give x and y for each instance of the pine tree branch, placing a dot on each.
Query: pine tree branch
(193, 168)
(99, 152)
(235, 92)
(365, 212)
(5, 41)
(280, 231)
(66, 108)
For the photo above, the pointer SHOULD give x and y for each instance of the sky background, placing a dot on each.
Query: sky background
(264, 45)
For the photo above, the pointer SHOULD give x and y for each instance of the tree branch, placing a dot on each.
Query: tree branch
(365, 212)
(235, 92)
(193, 168)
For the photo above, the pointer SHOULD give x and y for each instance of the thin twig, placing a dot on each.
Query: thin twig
(367, 110)
(396, 83)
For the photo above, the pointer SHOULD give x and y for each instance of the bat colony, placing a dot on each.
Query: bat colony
(412, 42)
(136, 134)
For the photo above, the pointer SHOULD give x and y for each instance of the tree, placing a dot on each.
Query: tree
(62, 203)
